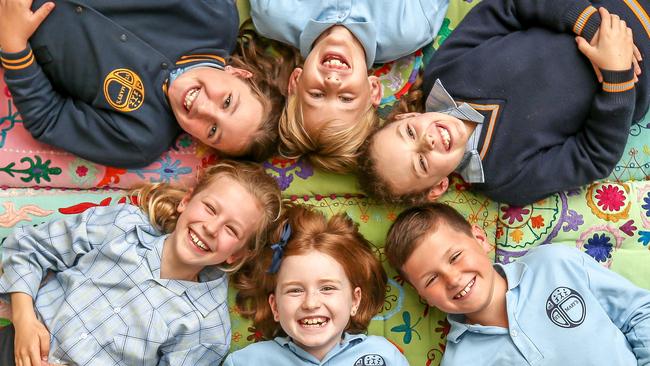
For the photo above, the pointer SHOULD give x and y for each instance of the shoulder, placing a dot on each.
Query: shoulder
(374, 348)
(255, 353)
(553, 253)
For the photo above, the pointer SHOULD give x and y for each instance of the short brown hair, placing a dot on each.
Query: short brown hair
(413, 224)
(160, 201)
(270, 63)
(334, 149)
(337, 237)
(374, 184)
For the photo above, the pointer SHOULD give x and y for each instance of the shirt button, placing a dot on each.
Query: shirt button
(78, 9)
(123, 38)
(513, 333)
(117, 309)
(164, 66)
(83, 335)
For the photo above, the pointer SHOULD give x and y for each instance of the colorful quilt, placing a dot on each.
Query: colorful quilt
(610, 220)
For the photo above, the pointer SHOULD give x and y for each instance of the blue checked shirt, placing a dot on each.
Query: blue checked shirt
(106, 303)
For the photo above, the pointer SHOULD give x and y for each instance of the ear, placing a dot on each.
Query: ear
(481, 238)
(183, 203)
(293, 80)
(438, 189)
(376, 91)
(244, 74)
(356, 301)
(274, 307)
(406, 115)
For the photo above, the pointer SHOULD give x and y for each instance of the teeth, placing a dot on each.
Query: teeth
(198, 242)
(336, 64)
(465, 291)
(190, 97)
(445, 137)
(314, 322)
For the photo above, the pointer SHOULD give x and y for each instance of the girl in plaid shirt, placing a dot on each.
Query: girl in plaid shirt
(142, 284)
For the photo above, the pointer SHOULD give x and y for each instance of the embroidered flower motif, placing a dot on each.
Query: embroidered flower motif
(364, 217)
(644, 237)
(610, 198)
(255, 336)
(286, 169)
(236, 336)
(537, 221)
(646, 207)
(514, 213)
(391, 216)
(444, 328)
(82, 172)
(572, 221)
(599, 247)
(168, 170)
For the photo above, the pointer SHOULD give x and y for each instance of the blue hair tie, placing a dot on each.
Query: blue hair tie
(278, 248)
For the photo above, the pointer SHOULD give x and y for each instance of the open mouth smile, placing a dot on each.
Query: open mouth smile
(466, 290)
(314, 322)
(446, 137)
(198, 242)
(190, 97)
(335, 62)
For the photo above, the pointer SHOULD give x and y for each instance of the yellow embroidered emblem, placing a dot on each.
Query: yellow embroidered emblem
(123, 90)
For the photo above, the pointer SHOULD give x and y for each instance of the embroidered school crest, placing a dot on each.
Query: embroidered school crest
(370, 360)
(123, 90)
(566, 307)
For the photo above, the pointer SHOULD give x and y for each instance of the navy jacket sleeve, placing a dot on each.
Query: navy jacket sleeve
(103, 136)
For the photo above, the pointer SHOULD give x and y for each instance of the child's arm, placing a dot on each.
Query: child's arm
(627, 305)
(108, 137)
(32, 340)
(29, 252)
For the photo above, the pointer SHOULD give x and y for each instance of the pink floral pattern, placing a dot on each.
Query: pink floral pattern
(610, 198)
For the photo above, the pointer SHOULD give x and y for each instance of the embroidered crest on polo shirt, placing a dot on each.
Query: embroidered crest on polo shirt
(123, 90)
(370, 360)
(565, 307)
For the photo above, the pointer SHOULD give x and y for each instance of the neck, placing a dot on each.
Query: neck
(495, 313)
(172, 270)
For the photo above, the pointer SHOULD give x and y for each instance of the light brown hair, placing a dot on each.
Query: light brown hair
(413, 224)
(160, 201)
(337, 237)
(334, 149)
(270, 63)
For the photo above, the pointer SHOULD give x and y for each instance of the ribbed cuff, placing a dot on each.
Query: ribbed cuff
(619, 85)
(18, 64)
(585, 20)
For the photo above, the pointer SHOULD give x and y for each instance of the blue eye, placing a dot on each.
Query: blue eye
(226, 103)
(423, 163)
(454, 257)
(316, 94)
(346, 99)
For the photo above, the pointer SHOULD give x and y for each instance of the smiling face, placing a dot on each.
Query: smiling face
(418, 151)
(217, 107)
(451, 271)
(313, 301)
(334, 83)
(213, 227)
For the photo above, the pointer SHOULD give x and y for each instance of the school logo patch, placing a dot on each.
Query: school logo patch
(566, 307)
(123, 90)
(370, 360)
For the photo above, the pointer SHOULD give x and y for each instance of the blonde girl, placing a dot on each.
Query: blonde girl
(139, 284)
(312, 294)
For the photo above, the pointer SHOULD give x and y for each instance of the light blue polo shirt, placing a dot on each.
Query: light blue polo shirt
(564, 308)
(354, 349)
(387, 29)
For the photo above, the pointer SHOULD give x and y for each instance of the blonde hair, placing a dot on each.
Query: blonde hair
(270, 63)
(337, 237)
(160, 201)
(334, 149)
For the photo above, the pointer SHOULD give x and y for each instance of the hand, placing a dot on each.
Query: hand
(612, 47)
(18, 23)
(32, 341)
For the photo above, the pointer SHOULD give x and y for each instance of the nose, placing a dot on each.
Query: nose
(208, 110)
(312, 300)
(427, 142)
(212, 226)
(452, 278)
(332, 79)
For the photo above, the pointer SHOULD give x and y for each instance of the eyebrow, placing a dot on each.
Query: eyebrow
(445, 255)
